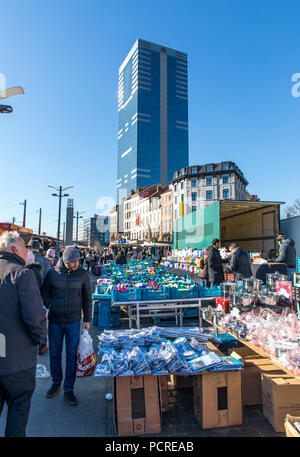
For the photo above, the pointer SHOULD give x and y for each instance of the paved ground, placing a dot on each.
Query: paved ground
(93, 416)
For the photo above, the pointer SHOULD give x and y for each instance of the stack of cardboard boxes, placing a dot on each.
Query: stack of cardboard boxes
(264, 383)
(219, 397)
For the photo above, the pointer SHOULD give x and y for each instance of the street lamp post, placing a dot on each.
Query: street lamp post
(40, 220)
(6, 109)
(60, 195)
(78, 217)
(24, 214)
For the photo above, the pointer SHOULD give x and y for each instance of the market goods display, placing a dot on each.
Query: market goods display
(277, 335)
(147, 351)
(146, 280)
(185, 259)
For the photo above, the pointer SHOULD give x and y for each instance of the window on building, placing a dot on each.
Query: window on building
(208, 181)
(194, 208)
(194, 170)
(175, 200)
(225, 193)
(175, 214)
(182, 197)
(194, 182)
(225, 179)
(208, 195)
(225, 166)
(175, 187)
(209, 168)
(182, 185)
(194, 196)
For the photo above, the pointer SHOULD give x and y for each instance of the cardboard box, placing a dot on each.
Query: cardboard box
(281, 396)
(164, 393)
(137, 407)
(218, 399)
(251, 377)
(290, 429)
(245, 351)
(182, 381)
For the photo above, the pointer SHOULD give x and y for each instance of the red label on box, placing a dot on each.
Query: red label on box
(224, 302)
(284, 289)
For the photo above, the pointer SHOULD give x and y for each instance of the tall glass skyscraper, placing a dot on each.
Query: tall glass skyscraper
(153, 116)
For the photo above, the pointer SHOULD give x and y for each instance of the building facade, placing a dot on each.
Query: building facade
(94, 230)
(153, 117)
(167, 214)
(198, 186)
(69, 222)
(142, 214)
(114, 223)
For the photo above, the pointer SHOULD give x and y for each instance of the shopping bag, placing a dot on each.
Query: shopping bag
(86, 359)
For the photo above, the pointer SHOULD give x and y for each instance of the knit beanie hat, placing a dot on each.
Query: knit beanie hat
(70, 254)
(50, 253)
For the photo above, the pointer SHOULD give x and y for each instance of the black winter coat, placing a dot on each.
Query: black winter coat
(240, 264)
(22, 317)
(36, 268)
(287, 253)
(214, 262)
(67, 294)
(121, 259)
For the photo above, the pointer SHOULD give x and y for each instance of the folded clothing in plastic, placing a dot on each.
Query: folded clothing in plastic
(131, 353)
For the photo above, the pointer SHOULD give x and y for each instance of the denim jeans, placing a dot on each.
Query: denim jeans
(56, 333)
(289, 273)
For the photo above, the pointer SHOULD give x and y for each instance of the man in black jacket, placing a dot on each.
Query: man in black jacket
(22, 328)
(121, 258)
(239, 262)
(214, 262)
(67, 293)
(287, 254)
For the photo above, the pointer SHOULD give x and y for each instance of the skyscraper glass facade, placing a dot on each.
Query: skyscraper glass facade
(153, 116)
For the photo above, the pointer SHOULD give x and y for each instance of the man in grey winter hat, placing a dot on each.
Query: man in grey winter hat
(67, 294)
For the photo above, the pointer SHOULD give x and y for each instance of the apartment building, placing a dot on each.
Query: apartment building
(198, 186)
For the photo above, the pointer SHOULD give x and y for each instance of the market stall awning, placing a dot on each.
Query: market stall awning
(229, 208)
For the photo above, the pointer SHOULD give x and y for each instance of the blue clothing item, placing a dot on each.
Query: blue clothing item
(289, 273)
(57, 332)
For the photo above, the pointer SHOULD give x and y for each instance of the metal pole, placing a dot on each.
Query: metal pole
(24, 215)
(64, 229)
(13, 220)
(59, 213)
(77, 217)
(40, 221)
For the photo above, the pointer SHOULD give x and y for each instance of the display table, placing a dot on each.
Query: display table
(251, 346)
(260, 271)
(136, 307)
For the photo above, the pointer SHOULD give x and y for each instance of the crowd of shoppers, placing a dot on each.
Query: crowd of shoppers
(34, 289)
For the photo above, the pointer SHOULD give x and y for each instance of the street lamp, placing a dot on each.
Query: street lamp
(60, 195)
(6, 109)
(78, 217)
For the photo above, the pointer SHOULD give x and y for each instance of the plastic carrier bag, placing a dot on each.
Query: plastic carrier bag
(86, 359)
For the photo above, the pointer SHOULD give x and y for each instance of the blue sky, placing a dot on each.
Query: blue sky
(66, 54)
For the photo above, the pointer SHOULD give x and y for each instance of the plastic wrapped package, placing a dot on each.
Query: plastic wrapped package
(156, 361)
(185, 350)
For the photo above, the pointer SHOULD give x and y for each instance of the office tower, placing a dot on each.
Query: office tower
(153, 117)
(69, 222)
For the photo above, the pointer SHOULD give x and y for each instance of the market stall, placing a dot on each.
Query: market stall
(263, 317)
